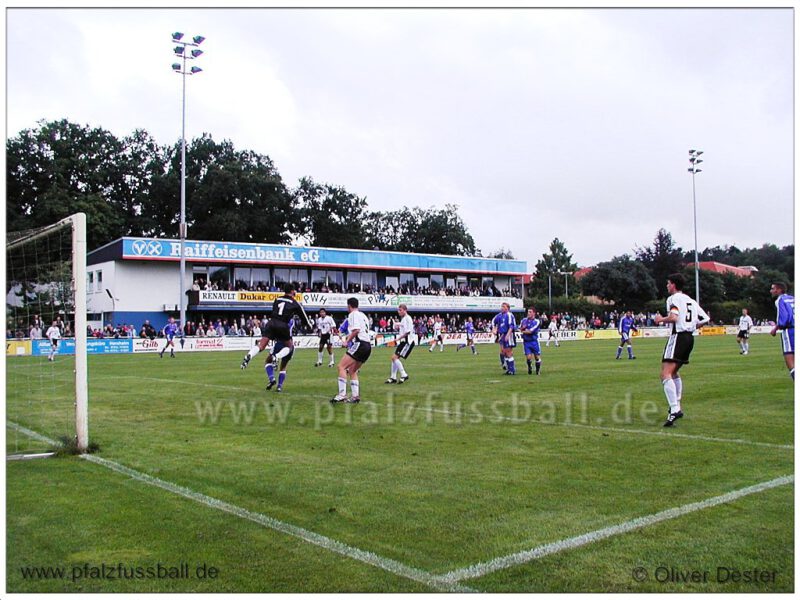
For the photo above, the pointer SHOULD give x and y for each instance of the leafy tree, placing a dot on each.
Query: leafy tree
(557, 260)
(60, 168)
(662, 258)
(388, 230)
(432, 230)
(232, 195)
(330, 215)
(712, 285)
(622, 280)
(442, 231)
(501, 253)
(144, 197)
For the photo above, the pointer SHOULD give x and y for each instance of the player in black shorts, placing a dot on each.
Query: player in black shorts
(277, 328)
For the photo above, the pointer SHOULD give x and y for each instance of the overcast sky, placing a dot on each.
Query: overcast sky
(562, 123)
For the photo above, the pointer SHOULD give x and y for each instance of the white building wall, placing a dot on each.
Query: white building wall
(146, 286)
(97, 300)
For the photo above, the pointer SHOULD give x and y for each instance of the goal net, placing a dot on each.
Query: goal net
(46, 368)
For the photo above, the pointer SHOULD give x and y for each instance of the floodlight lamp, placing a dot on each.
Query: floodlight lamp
(692, 151)
(198, 39)
(178, 50)
(699, 152)
(176, 66)
(196, 70)
(177, 36)
(196, 53)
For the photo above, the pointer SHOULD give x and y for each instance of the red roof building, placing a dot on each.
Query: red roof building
(721, 268)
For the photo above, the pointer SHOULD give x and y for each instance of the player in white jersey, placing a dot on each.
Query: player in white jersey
(357, 353)
(53, 334)
(743, 337)
(552, 331)
(324, 325)
(437, 335)
(685, 316)
(404, 345)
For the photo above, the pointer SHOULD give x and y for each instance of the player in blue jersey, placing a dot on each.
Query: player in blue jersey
(269, 367)
(529, 326)
(504, 326)
(626, 324)
(469, 327)
(784, 322)
(170, 330)
(344, 329)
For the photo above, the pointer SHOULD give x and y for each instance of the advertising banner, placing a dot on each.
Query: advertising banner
(315, 300)
(93, 346)
(42, 347)
(18, 348)
(712, 330)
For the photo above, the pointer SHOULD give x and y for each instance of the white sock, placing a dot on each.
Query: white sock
(331, 358)
(253, 351)
(399, 368)
(319, 357)
(678, 390)
(747, 346)
(672, 396)
(354, 387)
(394, 369)
(342, 386)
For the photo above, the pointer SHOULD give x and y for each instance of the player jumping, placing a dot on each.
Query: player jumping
(269, 367)
(277, 328)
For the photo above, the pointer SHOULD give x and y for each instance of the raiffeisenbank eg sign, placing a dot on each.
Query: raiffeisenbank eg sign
(242, 252)
(222, 251)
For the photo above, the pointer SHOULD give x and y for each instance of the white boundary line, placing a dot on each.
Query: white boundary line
(369, 558)
(449, 581)
(512, 560)
(701, 438)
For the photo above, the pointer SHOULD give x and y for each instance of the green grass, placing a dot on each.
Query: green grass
(425, 473)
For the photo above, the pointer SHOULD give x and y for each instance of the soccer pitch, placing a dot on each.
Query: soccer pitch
(461, 479)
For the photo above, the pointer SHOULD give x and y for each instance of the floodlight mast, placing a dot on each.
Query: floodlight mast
(180, 68)
(695, 160)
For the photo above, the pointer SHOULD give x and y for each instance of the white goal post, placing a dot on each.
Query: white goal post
(77, 224)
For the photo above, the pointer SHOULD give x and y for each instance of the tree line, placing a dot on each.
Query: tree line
(638, 281)
(130, 186)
